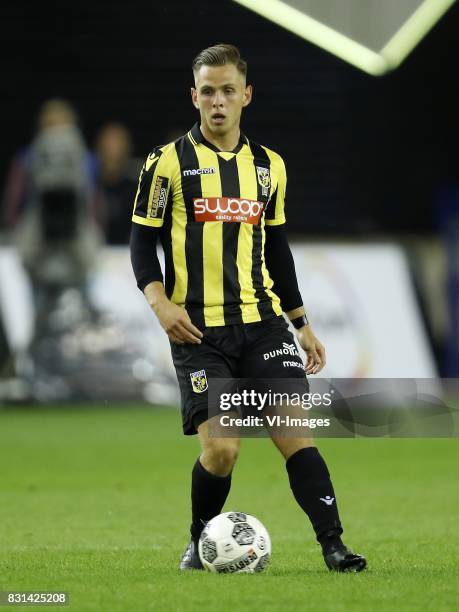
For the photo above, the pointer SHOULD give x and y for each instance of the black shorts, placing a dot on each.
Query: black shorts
(262, 350)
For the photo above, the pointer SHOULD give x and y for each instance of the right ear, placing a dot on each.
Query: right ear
(194, 97)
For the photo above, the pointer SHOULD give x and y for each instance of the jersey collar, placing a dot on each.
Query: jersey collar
(197, 136)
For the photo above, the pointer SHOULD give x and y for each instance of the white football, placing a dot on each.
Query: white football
(234, 542)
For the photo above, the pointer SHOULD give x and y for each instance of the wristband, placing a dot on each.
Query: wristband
(300, 322)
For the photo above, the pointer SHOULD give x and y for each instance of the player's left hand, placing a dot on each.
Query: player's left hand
(313, 348)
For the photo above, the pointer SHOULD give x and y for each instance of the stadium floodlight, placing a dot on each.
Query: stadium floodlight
(373, 35)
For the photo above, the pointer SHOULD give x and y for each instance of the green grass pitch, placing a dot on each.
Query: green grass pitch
(95, 501)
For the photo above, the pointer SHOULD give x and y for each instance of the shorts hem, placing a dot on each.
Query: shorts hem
(190, 426)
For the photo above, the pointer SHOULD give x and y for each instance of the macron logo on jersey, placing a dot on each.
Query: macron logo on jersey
(196, 171)
(230, 210)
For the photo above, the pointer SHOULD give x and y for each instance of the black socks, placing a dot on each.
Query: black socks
(208, 496)
(311, 485)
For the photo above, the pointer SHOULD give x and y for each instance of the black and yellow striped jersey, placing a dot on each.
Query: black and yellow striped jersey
(212, 207)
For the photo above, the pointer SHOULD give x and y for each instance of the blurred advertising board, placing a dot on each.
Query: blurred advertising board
(362, 306)
(359, 299)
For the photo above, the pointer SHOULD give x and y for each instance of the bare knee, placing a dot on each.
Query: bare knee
(289, 446)
(219, 456)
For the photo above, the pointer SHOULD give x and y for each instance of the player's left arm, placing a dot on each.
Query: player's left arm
(281, 267)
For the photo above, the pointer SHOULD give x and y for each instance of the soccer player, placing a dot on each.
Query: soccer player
(216, 201)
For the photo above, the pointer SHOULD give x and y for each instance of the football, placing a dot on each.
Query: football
(234, 542)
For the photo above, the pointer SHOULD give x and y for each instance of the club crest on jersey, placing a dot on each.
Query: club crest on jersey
(264, 179)
(199, 381)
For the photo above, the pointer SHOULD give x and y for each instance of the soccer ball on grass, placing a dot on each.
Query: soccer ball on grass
(234, 542)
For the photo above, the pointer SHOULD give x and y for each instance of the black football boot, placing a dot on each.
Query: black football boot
(339, 558)
(190, 559)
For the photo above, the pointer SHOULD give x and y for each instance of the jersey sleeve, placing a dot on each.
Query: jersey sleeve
(275, 214)
(153, 190)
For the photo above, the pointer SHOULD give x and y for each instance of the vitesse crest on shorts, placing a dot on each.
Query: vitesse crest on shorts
(264, 179)
(199, 381)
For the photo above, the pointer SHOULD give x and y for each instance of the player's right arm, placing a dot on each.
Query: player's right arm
(173, 319)
(147, 219)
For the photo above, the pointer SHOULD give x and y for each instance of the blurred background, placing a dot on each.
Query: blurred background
(372, 197)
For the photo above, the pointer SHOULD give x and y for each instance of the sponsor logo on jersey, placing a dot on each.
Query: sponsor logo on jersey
(264, 179)
(195, 171)
(199, 381)
(287, 349)
(230, 210)
(159, 199)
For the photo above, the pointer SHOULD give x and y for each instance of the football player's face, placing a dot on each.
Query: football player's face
(220, 94)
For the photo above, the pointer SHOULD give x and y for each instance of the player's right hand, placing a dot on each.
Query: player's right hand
(176, 323)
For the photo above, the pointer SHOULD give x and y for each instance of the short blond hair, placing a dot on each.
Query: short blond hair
(219, 55)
